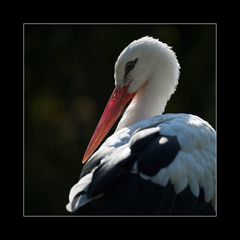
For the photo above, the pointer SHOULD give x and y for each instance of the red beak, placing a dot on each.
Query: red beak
(118, 100)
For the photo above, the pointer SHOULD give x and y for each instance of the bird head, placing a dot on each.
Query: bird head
(139, 61)
(134, 68)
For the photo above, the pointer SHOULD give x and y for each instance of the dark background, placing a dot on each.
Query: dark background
(68, 78)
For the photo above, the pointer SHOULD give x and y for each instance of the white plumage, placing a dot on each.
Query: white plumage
(153, 79)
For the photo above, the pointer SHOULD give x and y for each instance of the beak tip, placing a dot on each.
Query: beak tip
(85, 158)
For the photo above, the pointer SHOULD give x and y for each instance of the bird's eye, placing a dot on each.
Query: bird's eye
(130, 66)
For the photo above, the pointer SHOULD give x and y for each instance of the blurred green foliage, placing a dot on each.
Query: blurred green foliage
(68, 80)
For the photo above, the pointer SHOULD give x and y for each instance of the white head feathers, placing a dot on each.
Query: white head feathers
(151, 69)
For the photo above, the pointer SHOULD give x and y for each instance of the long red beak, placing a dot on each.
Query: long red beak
(118, 100)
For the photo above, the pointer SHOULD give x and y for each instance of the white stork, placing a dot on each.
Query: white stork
(154, 163)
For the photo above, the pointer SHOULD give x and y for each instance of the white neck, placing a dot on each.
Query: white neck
(152, 98)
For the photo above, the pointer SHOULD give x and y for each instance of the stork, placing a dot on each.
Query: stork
(154, 163)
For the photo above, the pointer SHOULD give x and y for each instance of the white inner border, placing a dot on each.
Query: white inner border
(24, 117)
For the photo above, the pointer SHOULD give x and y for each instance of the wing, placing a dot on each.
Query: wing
(156, 170)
